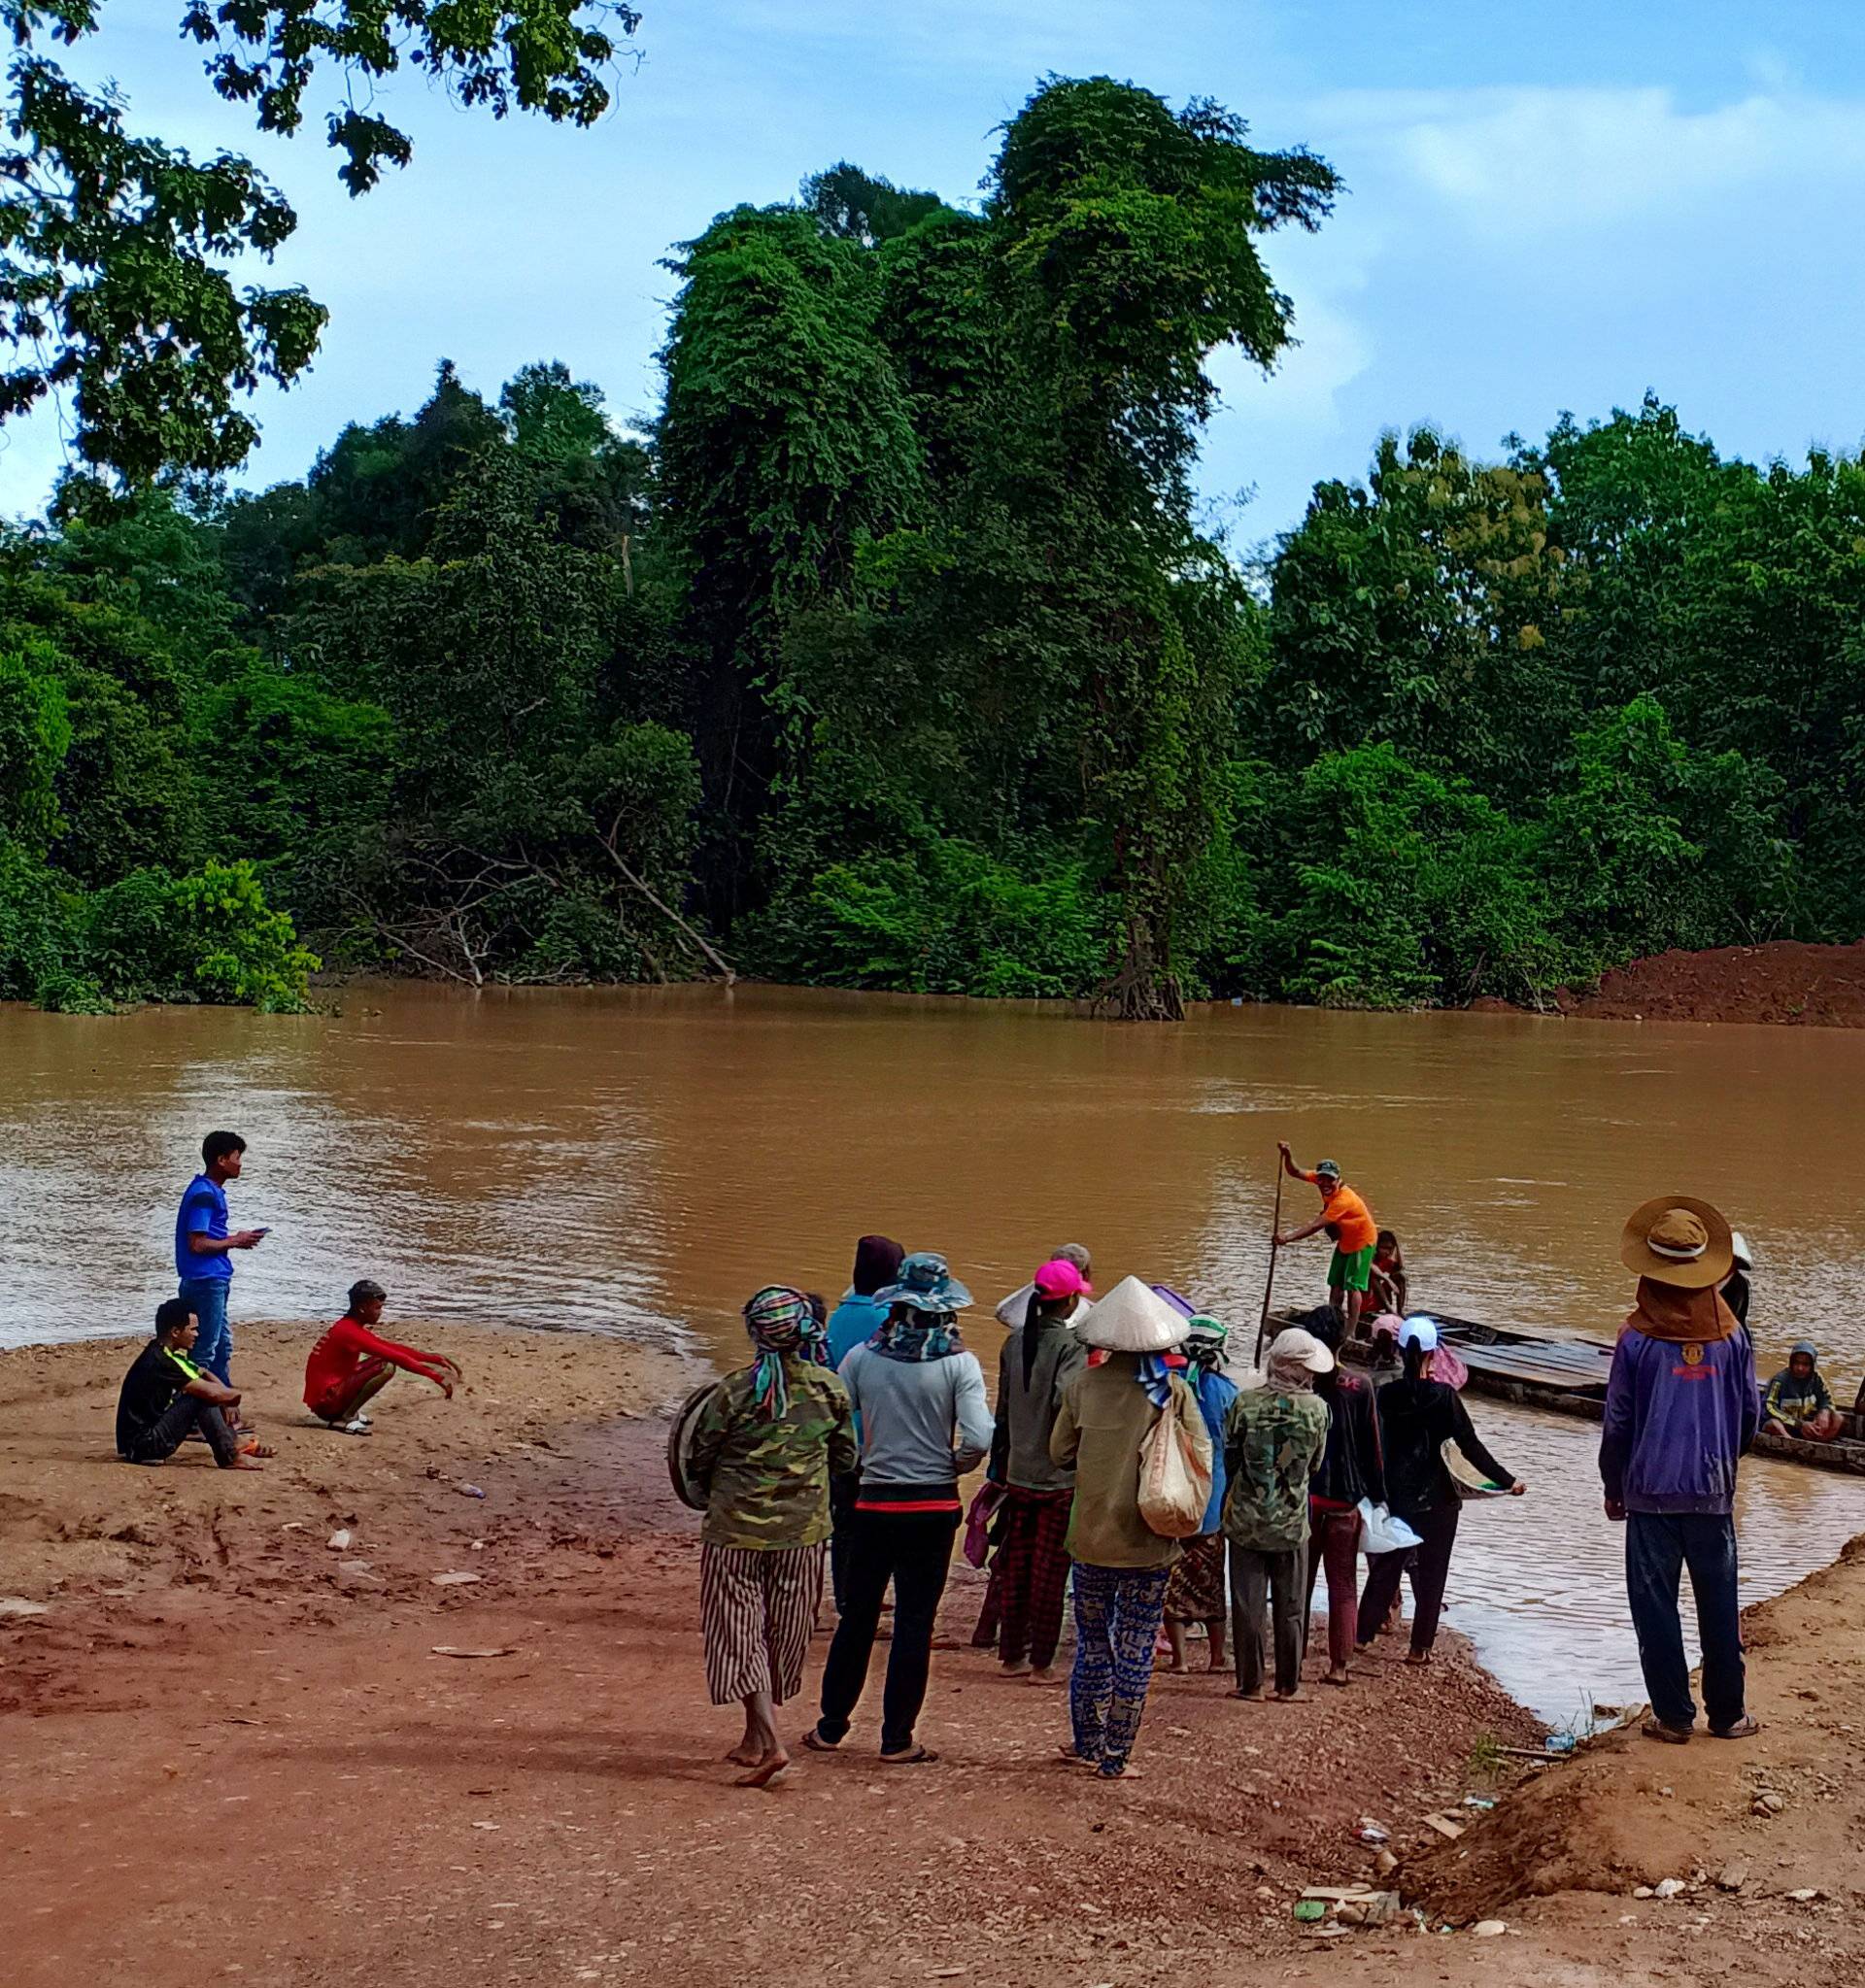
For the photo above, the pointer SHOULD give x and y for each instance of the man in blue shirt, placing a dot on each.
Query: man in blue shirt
(203, 1266)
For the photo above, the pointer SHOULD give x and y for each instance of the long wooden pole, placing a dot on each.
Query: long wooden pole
(1276, 1230)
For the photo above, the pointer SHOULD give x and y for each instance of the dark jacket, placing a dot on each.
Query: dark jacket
(1677, 1417)
(1354, 1466)
(1417, 1417)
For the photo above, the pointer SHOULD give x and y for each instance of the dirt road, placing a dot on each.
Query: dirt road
(227, 1750)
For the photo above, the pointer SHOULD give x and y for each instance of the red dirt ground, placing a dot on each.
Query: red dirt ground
(219, 1758)
(1784, 982)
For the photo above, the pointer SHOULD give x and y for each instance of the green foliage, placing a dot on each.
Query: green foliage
(35, 735)
(1408, 888)
(208, 936)
(894, 655)
(944, 917)
(112, 283)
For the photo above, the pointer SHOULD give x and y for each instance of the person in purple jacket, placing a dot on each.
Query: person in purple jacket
(1682, 1408)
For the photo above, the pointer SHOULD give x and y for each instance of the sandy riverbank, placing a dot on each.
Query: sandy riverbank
(220, 1753)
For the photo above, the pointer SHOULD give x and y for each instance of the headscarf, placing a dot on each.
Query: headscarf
(910, 1335)
(1206, 1347)
(1156, 1370)
(877, 1263)
(781, 1320)
(1681, 1317)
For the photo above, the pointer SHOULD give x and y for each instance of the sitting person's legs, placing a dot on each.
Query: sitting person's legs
(184, 1416)
(343, 1404)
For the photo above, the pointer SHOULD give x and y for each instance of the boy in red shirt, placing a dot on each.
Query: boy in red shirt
(350, 1364)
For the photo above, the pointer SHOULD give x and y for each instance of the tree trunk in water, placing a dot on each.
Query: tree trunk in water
(1145, 990)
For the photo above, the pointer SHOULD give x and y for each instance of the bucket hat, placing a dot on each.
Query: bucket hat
(1133, 1318)
(1677, 1240)
(1295, 1345)
(926, 1284)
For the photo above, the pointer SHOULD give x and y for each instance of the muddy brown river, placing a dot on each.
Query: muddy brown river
(638, 1162)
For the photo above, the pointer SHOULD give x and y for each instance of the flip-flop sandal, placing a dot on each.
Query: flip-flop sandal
(1671, 1735)
(762, 1774)
(1338, 1683)
(257, 1449)
(1068, 1757)
(1745, 1728)
(1118, 1773)
(818, 1744)
(919, 1757)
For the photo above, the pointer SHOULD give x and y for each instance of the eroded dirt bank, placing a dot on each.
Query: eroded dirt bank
(224, 1753)
(1782, 982)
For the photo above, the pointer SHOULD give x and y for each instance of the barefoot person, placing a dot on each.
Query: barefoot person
(1346, 1218)
(1681, 1412)
(203, 1242)
(1039, 1359)
(925, 1422)
(1196, 1591)
(1272, 1440)
(1122, 1565)
(166, 1396)
(1418, 1416)
(762, 1451)
(1796, 1401)
(352, 1364)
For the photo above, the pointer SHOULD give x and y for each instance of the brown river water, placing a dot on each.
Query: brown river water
(638, 1162)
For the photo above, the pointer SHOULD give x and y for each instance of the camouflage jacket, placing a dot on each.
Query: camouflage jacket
(767, 1481)
(1272, 1444)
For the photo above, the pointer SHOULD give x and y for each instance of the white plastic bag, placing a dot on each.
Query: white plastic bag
(1175, 1481)
(1381, 1533)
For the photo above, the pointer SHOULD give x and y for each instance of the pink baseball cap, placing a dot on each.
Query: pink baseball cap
(1059, 1278)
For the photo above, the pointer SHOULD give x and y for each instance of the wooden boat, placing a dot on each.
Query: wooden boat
(1568, 1376)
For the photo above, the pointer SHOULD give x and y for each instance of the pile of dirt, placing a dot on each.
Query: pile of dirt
(1784, 982)
(1778, 1817)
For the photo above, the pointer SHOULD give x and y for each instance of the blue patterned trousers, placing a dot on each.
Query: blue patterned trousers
(1117, 1617)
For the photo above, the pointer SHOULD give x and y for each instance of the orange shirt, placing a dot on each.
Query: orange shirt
(1355, 1228)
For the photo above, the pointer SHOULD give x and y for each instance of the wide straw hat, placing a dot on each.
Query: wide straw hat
(1677, 1240)
(1133, 1318)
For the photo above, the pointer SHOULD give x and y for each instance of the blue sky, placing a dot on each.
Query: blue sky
(1546, 210)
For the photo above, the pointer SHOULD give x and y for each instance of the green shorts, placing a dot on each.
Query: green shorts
(1350, 1269)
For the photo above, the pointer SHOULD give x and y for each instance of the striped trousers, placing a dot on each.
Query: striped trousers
(1032, 1570)
(758, 1611)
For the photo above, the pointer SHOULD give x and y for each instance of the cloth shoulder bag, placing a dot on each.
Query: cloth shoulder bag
(1175, 1480)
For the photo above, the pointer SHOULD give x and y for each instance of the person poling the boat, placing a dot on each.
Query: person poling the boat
(1349, 1222)
(1417, 1417)
(1797, 1402)
(1680, 1411)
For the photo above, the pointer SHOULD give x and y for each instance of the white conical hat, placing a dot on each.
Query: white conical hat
(1133, 1318)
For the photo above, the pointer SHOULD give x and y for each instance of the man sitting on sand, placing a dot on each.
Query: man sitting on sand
(352, 1364)
(1797, 1402)
(167, 1398)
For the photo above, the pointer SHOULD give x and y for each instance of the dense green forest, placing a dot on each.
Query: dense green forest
(893, 655)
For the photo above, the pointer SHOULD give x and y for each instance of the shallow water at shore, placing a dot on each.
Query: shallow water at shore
(636, 1162)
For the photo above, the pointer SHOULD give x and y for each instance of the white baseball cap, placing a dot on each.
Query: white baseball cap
(1421, 1332)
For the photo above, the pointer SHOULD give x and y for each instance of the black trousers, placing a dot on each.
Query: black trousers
(914, 1551)
(1429, 1563)
(844, 1488)
(173, 1425)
